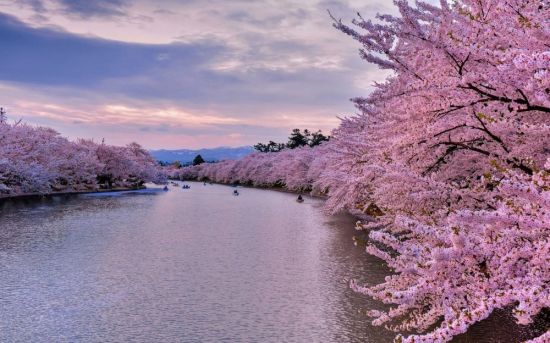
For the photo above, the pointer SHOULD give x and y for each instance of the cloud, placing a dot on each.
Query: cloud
(94, 8)
(50, 57)
(280, 72)
(36, 5)
(241, 71)
(82, 9)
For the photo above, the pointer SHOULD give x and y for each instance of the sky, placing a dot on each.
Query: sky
(182, 73)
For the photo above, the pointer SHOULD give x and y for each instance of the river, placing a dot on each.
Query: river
(193, 265)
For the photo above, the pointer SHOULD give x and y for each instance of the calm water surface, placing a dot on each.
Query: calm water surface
(196, 265)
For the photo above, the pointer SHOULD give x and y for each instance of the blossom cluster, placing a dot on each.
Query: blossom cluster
(447, 162)
(294, 169)
(38, 160)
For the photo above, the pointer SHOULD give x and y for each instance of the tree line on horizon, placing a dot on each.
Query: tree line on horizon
(296, 139)
(198, 159)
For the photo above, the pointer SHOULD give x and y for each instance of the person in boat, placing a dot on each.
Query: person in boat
(235, 192)
(165, 188)
(300, 199)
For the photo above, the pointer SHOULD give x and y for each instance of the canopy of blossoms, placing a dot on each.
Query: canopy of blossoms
(38, 160)
(448, 163)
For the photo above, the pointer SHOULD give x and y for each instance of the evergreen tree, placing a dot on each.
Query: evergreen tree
(3, 117)
(297, 139)
(317, 138)
(198, 160)
(261, 147)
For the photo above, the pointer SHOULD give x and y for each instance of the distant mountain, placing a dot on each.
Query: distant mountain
(214, 154)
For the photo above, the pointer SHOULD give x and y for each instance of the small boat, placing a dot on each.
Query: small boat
(300, 199)
(235, 192)
(185, 186)
(165, 188)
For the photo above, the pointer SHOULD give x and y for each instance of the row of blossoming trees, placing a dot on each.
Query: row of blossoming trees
(294, 169)
(449, 160)
(38, 160)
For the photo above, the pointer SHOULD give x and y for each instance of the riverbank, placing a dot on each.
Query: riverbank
(29, 196)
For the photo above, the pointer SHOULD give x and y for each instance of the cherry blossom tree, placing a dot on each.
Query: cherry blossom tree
(295, 169)
(446, 163)
(448, 157)
(39, 160)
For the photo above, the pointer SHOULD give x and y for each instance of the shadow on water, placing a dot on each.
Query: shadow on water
(189, 265)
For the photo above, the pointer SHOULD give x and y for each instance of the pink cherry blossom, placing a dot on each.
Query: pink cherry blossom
(446, 163)
(39, 160)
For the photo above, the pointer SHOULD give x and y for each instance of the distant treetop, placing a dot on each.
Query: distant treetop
(198, 160)
(296, 139)
(3, 116)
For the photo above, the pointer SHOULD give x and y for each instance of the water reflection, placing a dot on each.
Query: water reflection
(195, 265)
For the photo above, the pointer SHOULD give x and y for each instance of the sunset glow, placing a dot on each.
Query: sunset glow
(201, 73)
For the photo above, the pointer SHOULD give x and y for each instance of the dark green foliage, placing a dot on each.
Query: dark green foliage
(317, 138)
(3, 117)
(198, 160)
(296, 139)
(269, 147)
